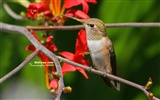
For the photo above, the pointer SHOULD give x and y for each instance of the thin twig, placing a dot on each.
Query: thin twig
(23, 30)
(129, 24)
(78, 27)
(18, 68)
(11, 12)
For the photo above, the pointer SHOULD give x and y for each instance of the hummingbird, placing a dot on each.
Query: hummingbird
(101, 48)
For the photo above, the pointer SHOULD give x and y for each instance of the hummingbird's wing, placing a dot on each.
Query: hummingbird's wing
(115, 83)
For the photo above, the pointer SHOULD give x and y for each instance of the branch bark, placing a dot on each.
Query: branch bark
(78, 27)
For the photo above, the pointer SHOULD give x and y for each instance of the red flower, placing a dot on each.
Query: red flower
(52, 10)
(50, 44)
(71, 3)
(35, 8)
(54, 84)
(81, 48)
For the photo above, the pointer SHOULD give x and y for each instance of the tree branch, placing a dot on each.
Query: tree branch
(23, 30)
(11, 12)
(18, 68)
(78, 27)
(90, 69)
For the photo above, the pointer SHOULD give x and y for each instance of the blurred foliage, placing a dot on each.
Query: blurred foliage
(137, 51)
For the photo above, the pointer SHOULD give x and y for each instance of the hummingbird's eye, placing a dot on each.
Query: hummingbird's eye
(91, 25)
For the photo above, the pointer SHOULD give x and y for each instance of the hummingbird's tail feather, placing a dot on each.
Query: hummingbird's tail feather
(107, 81)
(114, 83)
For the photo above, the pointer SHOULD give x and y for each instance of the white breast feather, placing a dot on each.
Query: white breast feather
(96, 45)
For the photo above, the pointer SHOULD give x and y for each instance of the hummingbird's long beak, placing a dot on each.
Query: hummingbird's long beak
(74, 18)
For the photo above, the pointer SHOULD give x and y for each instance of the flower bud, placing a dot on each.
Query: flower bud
(149, 84)
(67, 89)
(150, 96)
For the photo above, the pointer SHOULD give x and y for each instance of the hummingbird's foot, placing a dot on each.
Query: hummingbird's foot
(90, 69)
(104, 74)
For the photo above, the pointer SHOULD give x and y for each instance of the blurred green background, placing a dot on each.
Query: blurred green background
(137, 51)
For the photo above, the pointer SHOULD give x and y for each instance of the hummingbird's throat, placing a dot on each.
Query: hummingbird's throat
(95, 37)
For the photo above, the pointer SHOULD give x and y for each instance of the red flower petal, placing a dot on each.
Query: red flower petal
(85, 7)
(54, 19)
(43, 57)
(35, 8)
(71, 3)
(48, 13)
(85, 62)
(92, 1)
(67, 55)
(50, 44)
(67, 68)
(81, 14)
(47, 2)
(77, 13)
(54, 84)
(82, 71)
(49, 39)
(80, 59)
(53, 48)
(81, 42)
(30, 47)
